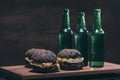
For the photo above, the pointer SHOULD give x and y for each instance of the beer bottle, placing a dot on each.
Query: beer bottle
(97, 41)
(65, 34)
(81, 37)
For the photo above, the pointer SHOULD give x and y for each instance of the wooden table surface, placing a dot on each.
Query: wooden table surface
(19, 72)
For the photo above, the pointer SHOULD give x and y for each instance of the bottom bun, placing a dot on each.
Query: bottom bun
(70, 66)
(45, 70)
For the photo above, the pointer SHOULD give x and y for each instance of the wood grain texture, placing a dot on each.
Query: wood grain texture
(21, 73)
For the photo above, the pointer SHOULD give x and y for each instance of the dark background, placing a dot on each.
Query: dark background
(25, 24)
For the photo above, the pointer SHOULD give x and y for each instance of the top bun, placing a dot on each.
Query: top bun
(44, 56)
(69, 53)
(32, 51)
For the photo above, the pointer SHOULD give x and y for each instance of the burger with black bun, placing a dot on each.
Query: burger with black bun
(44, 61)
(70, 59)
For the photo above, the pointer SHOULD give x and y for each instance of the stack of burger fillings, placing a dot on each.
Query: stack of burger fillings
(41, 60)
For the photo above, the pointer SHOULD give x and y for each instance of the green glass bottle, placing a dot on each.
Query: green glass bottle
(81, 37)
(65, 38)
(97, 41)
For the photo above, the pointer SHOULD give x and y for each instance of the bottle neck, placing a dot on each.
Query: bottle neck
(97, 21)
(66, 20)
(81, 22)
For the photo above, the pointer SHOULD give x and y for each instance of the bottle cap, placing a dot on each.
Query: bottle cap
(66, 10)
(97, 10)
(81, 13)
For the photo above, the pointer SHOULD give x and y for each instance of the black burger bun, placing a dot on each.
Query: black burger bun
(70, 59)
(44, 56)
(70, 66)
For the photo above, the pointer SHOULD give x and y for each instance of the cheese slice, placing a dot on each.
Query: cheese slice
(70, 60)
(42, 65)
(47, 65)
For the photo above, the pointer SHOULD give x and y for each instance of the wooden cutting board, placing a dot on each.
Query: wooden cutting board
(19, 72)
